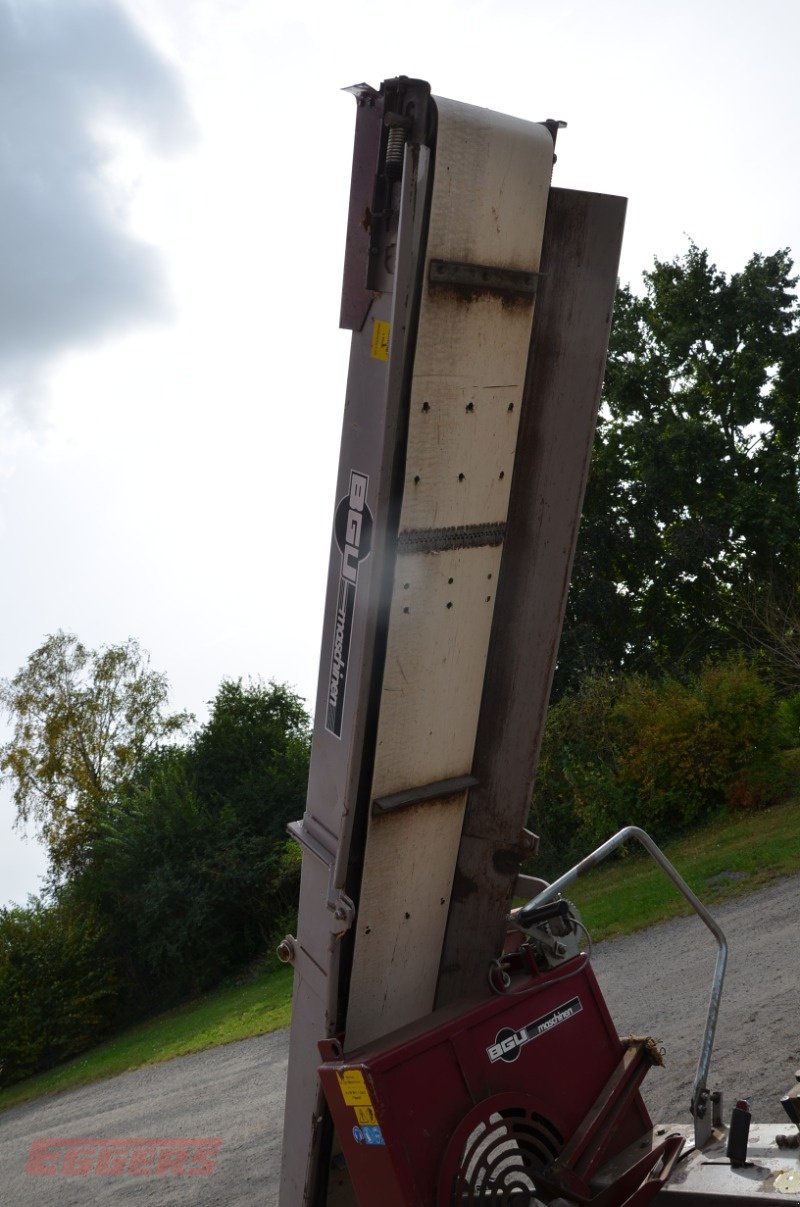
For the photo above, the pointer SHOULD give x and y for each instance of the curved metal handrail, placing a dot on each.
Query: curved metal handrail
(700, 1094)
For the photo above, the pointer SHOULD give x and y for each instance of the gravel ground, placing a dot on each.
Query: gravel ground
(656, 982)
(234, 1093)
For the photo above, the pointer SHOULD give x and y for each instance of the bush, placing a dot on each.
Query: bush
(578, 800)
(701, 747)
(57, 992)
(663, 755)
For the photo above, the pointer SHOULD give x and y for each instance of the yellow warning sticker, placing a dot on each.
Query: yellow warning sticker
(354, 1088)
(380, 339)
(366, 1115)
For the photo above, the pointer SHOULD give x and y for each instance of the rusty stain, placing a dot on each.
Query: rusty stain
(509, 298)
(366, 221)
(464, 886)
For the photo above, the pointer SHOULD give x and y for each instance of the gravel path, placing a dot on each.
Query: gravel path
(656, 982)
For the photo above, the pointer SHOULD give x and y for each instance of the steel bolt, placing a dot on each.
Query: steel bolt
(286, 950)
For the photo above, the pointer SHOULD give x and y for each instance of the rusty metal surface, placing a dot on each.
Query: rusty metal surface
(582, 242)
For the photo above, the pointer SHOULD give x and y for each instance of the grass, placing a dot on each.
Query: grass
(728, 858)
(261, 1004)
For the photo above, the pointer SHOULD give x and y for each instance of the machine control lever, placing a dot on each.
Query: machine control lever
(703, 1118)
(531, 915)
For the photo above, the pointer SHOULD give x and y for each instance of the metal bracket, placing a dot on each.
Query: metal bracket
(437, 540)
(423, 795)
(344, 913)
(340, 905)
(482, 278)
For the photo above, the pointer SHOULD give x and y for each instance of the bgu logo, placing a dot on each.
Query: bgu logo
(353, 526)
(508, 1043)
(352, 529)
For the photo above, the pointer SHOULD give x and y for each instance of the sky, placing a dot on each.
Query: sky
(174, 181)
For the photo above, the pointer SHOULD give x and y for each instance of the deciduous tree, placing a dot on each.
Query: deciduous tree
(693, 495)
(83, 721)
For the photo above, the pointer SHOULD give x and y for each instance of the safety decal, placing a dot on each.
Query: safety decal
(365, 1114)
(508, 1043)
(368, 1135)
(379, 347)
(354, 1088)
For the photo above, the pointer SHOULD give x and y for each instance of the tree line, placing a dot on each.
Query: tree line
(676, 696)
(169, 865)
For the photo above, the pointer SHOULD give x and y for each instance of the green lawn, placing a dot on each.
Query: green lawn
(726, 859)
(261, 1004)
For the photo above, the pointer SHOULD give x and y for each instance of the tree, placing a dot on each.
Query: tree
(693, 495)
(58, 992)
(83, 722)
(193, 871)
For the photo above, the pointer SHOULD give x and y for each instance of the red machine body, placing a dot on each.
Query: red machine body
(466, 1105)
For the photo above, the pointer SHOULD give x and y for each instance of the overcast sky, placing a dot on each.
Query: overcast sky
(174, 186)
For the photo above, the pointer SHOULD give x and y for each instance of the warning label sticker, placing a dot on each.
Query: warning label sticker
(366, 1115)
(379, 347)
(354, 1088)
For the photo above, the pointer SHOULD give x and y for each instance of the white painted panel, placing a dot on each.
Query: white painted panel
(463, 425)
(439, 628)
(405, 897)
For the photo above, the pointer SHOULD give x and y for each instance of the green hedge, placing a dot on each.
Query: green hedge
(663, 755)
(57, 993)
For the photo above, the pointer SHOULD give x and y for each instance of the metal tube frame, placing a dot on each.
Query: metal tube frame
(700, 1104)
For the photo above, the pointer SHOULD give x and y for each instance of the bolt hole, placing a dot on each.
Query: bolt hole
(368, 930)
(416, 479)
(502, 474)
(441, 901)
(470, 407)
(426, 406)
(488, 597)
(406, 610)
(450, 603)
(511, 406)
(461, 477)
(450, 581)
(408, 915)
(407, 585)
(488, 576)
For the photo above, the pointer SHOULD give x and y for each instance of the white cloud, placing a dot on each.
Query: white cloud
(72, 272)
